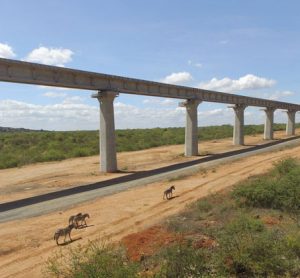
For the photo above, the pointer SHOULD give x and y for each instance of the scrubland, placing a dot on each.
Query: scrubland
(22, 148)
(251, 230)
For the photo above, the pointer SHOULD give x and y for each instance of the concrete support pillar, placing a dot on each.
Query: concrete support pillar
(238, 129)
(290, 127)
(191, 128)
(108, 155)
(268, 131)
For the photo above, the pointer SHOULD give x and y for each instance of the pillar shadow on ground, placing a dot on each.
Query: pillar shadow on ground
(135, 176)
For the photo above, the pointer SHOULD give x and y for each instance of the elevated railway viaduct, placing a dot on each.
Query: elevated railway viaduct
(108, 87)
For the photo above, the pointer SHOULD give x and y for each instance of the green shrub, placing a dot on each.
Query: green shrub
(8, 161)
(182, 260)
(285, 166)
(289, 197)
(258, 192)
(293, 242)
(95, 260)
(181, 224)
(278, 190)
(204, 205)
(29, 147)
(238, 244)
(247, 249)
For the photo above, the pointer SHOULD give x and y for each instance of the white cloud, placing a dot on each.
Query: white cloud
(73, 99)
(159, 101)
(177, 78)
(197, 65)
(60, 116)
(53, 88)
(287, 93)
(279, 95)
(6, 51)
(213, 112)
(67, 98)
(50, 56)
(72, 114)
(78, 116)
(129, 116)
(228, 85)
(54, 95)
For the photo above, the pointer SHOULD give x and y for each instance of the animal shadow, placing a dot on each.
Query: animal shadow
(84, 226)
(69, 242)
(173, 197)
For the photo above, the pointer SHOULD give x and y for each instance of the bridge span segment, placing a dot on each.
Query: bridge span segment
(109, 86)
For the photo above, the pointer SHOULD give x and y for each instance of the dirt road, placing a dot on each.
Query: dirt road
(29, 242)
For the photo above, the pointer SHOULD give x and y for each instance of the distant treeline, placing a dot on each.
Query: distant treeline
(20, 148)
(12, 129)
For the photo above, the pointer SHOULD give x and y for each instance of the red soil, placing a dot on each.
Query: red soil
(147, 242)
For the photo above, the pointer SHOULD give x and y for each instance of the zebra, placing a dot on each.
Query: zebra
(73, 217)
(168, 193)
(63, 232)
(82, 219)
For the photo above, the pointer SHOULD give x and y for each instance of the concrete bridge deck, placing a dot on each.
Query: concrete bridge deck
(32, 73)
(109, 86)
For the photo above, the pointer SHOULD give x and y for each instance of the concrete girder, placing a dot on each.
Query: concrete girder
(32, 73)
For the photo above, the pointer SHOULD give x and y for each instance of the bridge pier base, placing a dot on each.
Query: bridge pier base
(290, 127)
(191, 128)
(268, 130)
(108, 155)
(238, 129)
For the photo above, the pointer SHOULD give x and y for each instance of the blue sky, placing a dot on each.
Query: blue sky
(243, 47)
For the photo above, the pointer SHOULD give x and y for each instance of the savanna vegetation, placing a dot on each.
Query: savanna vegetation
(21, 148)
(250, 231)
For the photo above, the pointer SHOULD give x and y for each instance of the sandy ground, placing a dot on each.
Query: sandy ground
(29, 242)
